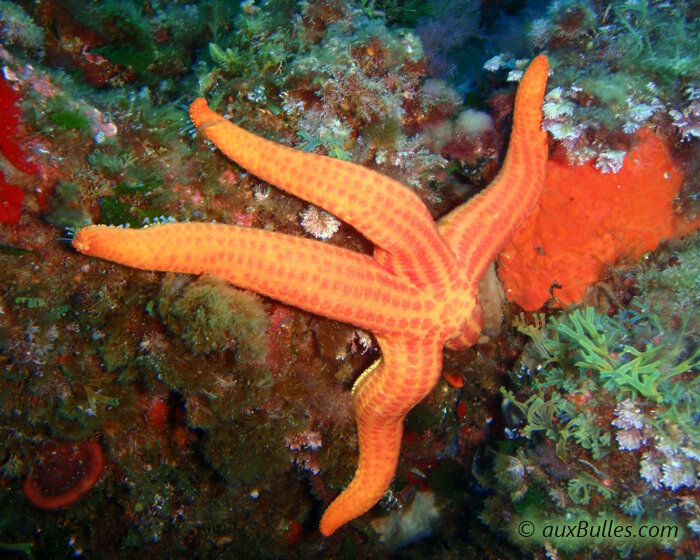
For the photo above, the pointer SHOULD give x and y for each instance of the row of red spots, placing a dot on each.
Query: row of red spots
(314, 300)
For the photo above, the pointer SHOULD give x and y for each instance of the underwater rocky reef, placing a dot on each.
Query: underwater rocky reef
(167, 415)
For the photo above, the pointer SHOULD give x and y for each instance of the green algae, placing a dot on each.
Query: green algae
(421, 418)
(114, 212)
(15, 251)
(71, 120)
(612, 403)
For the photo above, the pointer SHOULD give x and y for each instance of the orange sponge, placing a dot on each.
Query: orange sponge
(586, 220)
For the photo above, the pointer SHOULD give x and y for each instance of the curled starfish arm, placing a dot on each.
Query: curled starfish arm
(383, 396)
(477, 230)
(320, 278)
(382, 209)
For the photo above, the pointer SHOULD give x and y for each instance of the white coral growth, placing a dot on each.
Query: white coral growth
(319, 223)
(628, 416)
(610, 161)
(629, 440)
(688, 120)
(650, 471)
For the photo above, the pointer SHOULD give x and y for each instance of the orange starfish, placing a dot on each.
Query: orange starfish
(416, 293)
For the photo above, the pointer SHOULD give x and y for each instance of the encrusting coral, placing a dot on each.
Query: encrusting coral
(62, 473)
(417, 293)
(586, 220)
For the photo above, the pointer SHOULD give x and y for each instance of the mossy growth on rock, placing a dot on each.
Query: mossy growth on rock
(210, 315)
(65, 210)
(251, 447)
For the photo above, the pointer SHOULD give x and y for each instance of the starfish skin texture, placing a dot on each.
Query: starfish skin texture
(417, 292)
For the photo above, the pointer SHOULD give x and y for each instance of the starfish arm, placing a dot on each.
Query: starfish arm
(317, 277)
(477, 230)
(383, 395)
(382, 209)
